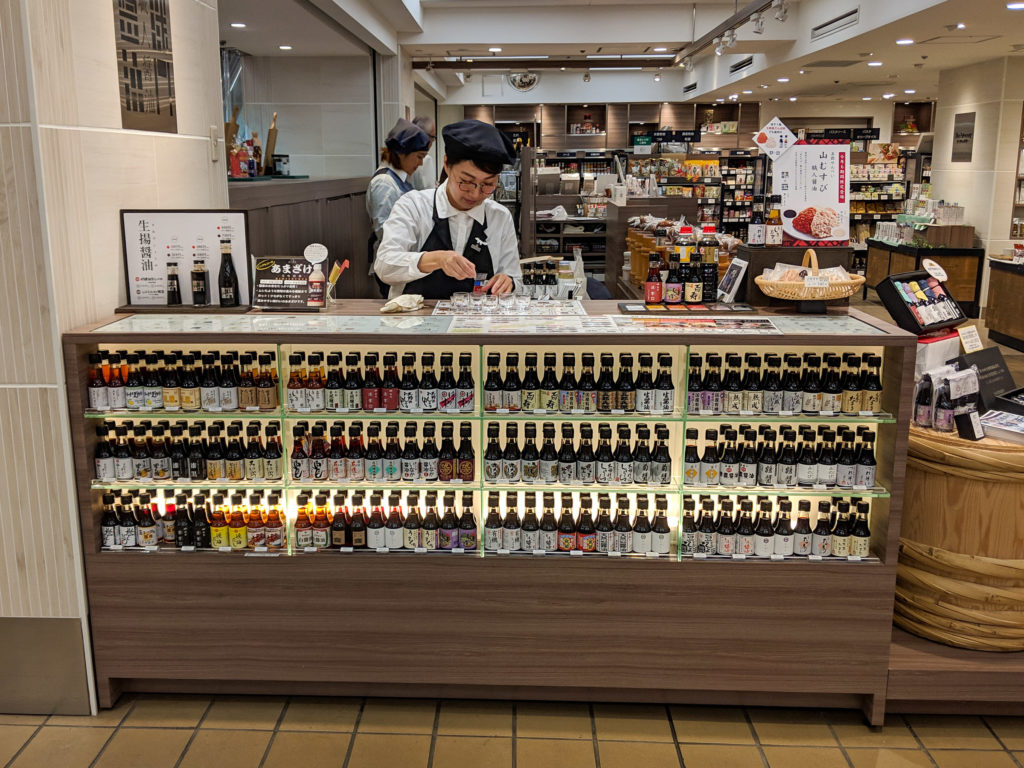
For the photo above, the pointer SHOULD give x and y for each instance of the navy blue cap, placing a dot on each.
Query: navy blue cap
(406, 137)
(477, 140)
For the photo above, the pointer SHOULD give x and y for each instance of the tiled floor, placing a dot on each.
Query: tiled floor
(301, 732)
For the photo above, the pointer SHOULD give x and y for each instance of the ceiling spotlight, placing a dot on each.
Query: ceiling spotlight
(783, 79)
(734, 96)
(758, 21)
(494, 50)
(888, 95)
(904, 41)
(781, 10)
(748, 92)
(961, 25)
(586, 77)
(874, 63)
(237, 25)
(763, 85)
(729, 38)
(657, 78)
(720, 99)
(718, 46)
(285, 47)
(865, 98)
(1015, 6)
(910, 90)
(660, 49)
(792, 98)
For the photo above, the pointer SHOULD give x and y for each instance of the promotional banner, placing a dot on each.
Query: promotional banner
(813, 179)
(774, 139)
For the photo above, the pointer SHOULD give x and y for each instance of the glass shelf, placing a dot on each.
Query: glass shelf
(795, 418)
(184, 415)
(595, 416)
(876, 492)
(154, 485)
(672, 488)
(687, 557)
(381, 415)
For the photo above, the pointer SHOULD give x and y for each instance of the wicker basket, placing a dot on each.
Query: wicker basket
(795, 290)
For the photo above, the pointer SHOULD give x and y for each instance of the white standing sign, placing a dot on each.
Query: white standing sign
(813, 180)
(154, 239)
(774, 139)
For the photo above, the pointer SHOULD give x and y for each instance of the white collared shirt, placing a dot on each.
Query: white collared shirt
(411, 221)
(381, 195)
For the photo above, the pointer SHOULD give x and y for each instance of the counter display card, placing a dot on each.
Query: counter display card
(283, 283)
(521, 308)
(257, 323)
(542, 325)
(160, 243)
(813, 179)
(695, 324)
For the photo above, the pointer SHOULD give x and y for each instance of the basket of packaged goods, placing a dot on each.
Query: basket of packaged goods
(808, 283)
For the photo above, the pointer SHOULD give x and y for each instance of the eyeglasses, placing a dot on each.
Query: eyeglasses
(470, 186)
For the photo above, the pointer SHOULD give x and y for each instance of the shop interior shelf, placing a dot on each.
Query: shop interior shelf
(876, 492)
(382, 415)
(181, 415)
(671, 488)
(796, 418)
(598, 416)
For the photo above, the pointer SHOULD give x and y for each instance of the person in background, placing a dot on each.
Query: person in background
(437, 241)
(426, 175)
(404, 149)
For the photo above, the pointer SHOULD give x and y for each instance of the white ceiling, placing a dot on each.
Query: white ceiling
(272, 23)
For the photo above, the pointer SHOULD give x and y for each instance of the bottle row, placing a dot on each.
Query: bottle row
(564, 392)
(688, 275)
(179, 381)
(632, 460)
(761, 459)
(582, 523)
(815, 384)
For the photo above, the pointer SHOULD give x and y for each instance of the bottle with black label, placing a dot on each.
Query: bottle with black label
(511, 458)
(426, 396)
(446, 457)
(810, 385)
(586, 462)
(391, 460)
(726, 529)
(108, 522)
(753, 393)
(492, 454)
(645, 384)
(200, 284)
(708, 247)
(802, 531)
(530, 398)
(512, 389)
(548, 534)
(531, 525)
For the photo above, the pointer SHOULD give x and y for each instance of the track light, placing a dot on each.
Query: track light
(657, 78)
(586, 77)
(717, 42)
(688, 64)
(730, 38)
(758, 21)
(781, 10)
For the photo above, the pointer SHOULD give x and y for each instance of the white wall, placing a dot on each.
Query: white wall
(994, 91)
(324, 111)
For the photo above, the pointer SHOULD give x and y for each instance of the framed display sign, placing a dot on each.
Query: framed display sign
(813, 179)
(291, 283)
(169, 253)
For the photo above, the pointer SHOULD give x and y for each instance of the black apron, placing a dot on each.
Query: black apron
(438, 285)
(371, 244)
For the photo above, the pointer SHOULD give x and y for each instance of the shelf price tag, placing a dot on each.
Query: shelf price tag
(380, 410)
(539, 552)
(820, 487)
(617, 411)
(539, 411)
(814, 557)
(700, 555)
(382, 550)
(706, 412)
(503, 410)
(854, 558)
(310, 550)
(150, 548)
(826, 413)
(614, 554)
(860, 487)
(866, 413)
(459, 551)
(746, 413)
(576, 553)
(652, 555)
(504, 552)
(778, 557)
(259, 549)
(346, 550)
(420, 550)
(188, 548)
(115, 547)
(739, 556)
(785, 413)
(223, 549)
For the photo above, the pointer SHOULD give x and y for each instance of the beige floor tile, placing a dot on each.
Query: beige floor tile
(63, 746)
(632, 722)
(149, 747)
(12, 738)
(705, 756)
(554, 753)
(22, 719)
(792, 727)
(553, 720)
(167, 712)
(965, 758)
(952, 732)
(226, 749)
(105, 717)
(320, 714)
(309, 750)
(471, 751)
(804, 757)
(853, 731)
(374, 750)
(475, 718)
(258, 713)
(630, 754)
(1009, 729)
(397, 716)
(889, 758)
(711, 725)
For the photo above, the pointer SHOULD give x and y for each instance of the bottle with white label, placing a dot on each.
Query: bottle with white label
(394, 526)
(604, 527)
(661, 530)
(764, 536)
(426, 396)
(642, 533)
(846, 461)
(548, 534)
(622, 539)
(103, 458)
(99, 399)
(710, 461)
(756, 227)
(782, 543)
(688, 527)
(773, 224)
(726, 529)
(867, 468)
(807, 462)
(841, 531)
(108, 522)
(786, 466)
(860, 536)
(821, 536)
(827, 467)
(745, 534)
(802, 531)
(375, 534)
(512, 527)
(707, 535)
(530, 540)
(493, 524)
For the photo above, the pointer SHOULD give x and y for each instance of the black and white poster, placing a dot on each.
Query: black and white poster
(145, 65)
(963, 137)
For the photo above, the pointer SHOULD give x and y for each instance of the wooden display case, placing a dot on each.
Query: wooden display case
(665, 629)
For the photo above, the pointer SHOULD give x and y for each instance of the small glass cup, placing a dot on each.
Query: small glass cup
(476, 301)
(490, 304)
(461, 301)
(522, 304)
(507, 303)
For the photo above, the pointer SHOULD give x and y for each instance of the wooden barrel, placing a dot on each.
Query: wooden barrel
(961, 568)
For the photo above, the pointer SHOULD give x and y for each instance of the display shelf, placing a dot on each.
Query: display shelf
(796, 418)
(843, 562)
(181, 415)
(775, 490)
(215, 486)
(529, 629)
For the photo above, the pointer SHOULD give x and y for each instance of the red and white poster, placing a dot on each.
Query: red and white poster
(813, 178)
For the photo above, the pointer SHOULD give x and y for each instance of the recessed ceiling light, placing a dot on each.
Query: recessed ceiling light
(909, 90)
(783, 79)
(961, 25)
(720, 99)
(748, 92)
(792, 98)
(469, 61)
(904, 41)
(802, 72)
(888, 95)
(660, 49)
(285, 47)
(237, 25)
(865, 98)
(494, 50)
(562, 69)
(1015, 6)
(763, 85)
(874, 63)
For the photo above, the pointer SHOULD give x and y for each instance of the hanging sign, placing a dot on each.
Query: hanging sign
(813, 180)
(774, 139)
(676, 136)
(866, 134)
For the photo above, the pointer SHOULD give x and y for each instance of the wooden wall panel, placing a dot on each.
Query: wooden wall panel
(646, 113)
(617, 118)
(676, 116)
(520, 113)
(482, 112)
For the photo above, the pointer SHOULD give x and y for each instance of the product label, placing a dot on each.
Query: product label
(865, 475)
(394, 538)
(373, 469)
(549, 399)
(467, 398)
(410, 469)
(730, 473)
(766, 473)
(161, 468)
(763, 545)
(492, 470)
(371, 398)
(860, 546)
(154, 399)
(660, 543)
(300, 469)
(821, 545)
(566, 541)
(296, 399)
(375, 538)
(566, 472)
(511, 399)
(846, 475)
(511, 539)
(254, 469)
(171, 398)
(831, 402)
(624, 471)
(622, 541)
(510, 470)
(747, 474)
(530, 399)
(773, 235)
(733, 402)
(802, 543)
(792, 401)
(118, 399)
(811, 402)
(688, 542)
(773, 401)
(315, 399)
(641, 542)
(807, 474)
(410, 538)
(209, 398)
(840, 546)
(135, 397)
(726, 545)
(273, 468)
(447, 399)
(710, 472)
(827, 474)
(605, 471)
(661, 472)
(548, 541)
(219, 536)
(783, 545)
(255, 537)
(98, 399)
(530, 541)
(785, 474)
(126, 535)
(851, 401)
(744, 545)
(429, 538)
(141, 468)
(105, 469)
(334, 400)
(492, 539)
(428, 469)
(427, 399)
(356, 470)
(237, 538)
(275, 536)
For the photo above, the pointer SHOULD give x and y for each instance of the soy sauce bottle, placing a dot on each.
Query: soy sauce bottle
(567, 386)
(548, 537)
(493, 454)
(512, 391)
(586, 532)
(792, 395)
(389, 387)
(466, 454)
(467, 524)
(447, 391)
(530, 457)
(606, 391)
(511, 457)
(352, 387)
(586, 393)
(623, 456)
(567, 456)
(726, 530)
(586, 462)
(771, 384)
(626, 398)
(492, 383)
(530, 399)
(530, 540)
(694, 386)
(549, 385)
(465, 387)
(566, 526)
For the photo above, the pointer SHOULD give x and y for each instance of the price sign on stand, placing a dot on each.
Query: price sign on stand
(775, 138)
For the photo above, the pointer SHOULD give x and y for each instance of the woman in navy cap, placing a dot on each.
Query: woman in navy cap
(436, 241)
(404, 149)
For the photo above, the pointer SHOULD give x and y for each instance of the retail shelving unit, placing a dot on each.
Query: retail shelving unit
(669, 628)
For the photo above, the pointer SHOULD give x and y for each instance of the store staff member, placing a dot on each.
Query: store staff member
(437, 240)
(404, 149)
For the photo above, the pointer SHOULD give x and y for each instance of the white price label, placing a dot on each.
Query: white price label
(382, 550)
(860, 487)
(118, 547)
(706, 412)
(459, 550)
(814, 557)
(259, 549)
(539, 411)
(700, 555)
(223, 549)
(455, 480)
(504, 552)
(854, 558)
(819, 487)
(815, 281)
(746, 413)
(576, 553)
(189, 548)
(420, 550)
(826, 413)
(970, 339)
(151, 548)
(865, 413)
(652, 555)
(785, 413)
(310, 550)
(503, 410)
(778, 557)
(415, 410)
(346, 550)
(614, 554)
(539, 552)
(618, 411)
(380, 410)
(739, 556)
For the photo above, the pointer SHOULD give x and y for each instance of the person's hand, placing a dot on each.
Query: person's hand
(499, 284)
(451, 263)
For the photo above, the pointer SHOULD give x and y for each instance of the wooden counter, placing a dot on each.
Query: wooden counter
(1004, 310)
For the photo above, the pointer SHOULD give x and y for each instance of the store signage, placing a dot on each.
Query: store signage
(814, 182)
(153, 240)
(282, 283)
(866, 134)
(676, 136)
(594, 154)
(836, 133)
(774, 139)
(565, 154)
(963, 137)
